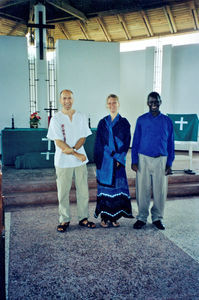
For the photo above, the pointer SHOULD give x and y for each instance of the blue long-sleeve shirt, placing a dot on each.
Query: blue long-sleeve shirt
(153, 137)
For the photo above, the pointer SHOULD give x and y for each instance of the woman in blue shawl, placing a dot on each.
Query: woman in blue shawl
(111, 146)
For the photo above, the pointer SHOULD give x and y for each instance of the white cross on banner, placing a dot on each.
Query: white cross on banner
(181, 122)
(185, 127)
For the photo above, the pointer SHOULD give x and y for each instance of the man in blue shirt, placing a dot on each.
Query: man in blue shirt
(152, 157)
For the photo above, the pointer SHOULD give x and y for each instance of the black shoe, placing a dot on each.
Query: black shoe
(138, 224)
(158, 224)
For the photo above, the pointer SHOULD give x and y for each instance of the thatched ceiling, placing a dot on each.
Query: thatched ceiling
(103, 20)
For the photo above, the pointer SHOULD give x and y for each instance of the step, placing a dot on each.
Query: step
(173, 179)
(23, 199)
(38, 198)
(12, 199)
(45, 192)
(50, 185)
(177, 190)
(37, 186)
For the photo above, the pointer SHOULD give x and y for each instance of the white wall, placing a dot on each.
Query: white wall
(180, 74)
(166, 106)
(136, 82)
(185, 75)
(14, 82)
(180, 86)
(92, 71)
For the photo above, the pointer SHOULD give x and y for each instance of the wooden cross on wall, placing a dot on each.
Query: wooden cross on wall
(41, 26)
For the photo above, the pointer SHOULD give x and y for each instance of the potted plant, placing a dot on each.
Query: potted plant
(34, 120)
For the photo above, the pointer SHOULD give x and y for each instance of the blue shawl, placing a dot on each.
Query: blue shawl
(111, 146)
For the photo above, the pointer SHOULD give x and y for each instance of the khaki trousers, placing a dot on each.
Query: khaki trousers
(151, 176)
(64, 182)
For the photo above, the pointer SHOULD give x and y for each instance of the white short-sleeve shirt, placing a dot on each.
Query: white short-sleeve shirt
(62, 128)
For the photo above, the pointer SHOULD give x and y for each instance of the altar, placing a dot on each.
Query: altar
(28, 148)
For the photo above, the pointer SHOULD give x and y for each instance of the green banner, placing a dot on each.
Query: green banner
(185, 127)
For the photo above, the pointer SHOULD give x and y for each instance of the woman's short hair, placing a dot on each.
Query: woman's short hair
(112, 96)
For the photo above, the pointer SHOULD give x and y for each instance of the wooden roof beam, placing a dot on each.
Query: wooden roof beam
(68, 8)
(14, 28)
(30, 21)
(147, 24)
(170, 19)
(194, 15)
(63, 29)
(83, 29)
(5, 4)
(31, 12)
(50, 40)
(12, 18)
(102, 26)
(124, 26)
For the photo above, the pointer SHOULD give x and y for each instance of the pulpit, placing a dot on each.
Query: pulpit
(28, 148)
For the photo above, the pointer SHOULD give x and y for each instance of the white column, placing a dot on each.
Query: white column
(167, 106)
(41, 68)
(149, 73)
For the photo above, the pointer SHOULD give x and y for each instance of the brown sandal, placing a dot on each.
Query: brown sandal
(104, 223)
(115, 224)
(63, 226)
(88, 224)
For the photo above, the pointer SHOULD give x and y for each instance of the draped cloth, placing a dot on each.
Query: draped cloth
(111, 146)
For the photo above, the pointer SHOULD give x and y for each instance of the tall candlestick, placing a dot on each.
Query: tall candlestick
(89, 121)
(13, 123)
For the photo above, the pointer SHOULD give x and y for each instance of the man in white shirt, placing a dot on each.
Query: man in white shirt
(69, 129)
